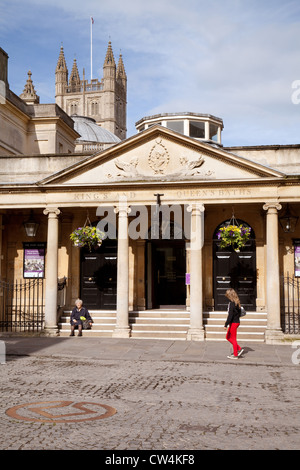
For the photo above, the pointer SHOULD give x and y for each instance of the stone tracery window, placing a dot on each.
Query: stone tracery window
(94, 108)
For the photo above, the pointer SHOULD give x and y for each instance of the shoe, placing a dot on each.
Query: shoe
(240, 352)
(79, 334)
(232, 357)
(72, 334)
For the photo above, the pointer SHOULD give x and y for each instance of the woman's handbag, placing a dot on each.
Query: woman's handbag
(243, 312)
(86, 324)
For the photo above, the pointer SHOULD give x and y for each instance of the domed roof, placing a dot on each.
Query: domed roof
(91, 132)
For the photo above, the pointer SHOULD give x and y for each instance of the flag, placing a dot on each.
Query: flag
(92, 20)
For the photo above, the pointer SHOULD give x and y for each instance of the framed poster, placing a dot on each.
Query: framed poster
(297, 257)
(34, 260)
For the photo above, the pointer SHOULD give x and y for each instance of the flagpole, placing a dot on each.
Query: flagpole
(92, 21)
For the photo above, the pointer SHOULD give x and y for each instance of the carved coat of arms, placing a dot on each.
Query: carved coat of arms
(158, 158)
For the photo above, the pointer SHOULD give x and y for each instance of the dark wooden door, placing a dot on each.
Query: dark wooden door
(99, 277)
(168, 268)
(235, 270)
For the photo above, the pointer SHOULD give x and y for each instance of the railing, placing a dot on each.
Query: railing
(290, 304)
(22, 305)
(89, 87)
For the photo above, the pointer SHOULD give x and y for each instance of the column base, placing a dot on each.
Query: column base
(121, 333)
(195, 334)
(50, 331)
(274, 336)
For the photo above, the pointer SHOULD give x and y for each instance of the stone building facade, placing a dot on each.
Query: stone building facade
(28, 127)
(161, 196)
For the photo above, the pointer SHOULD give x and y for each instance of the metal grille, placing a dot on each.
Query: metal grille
(22, 305)
(290, 304)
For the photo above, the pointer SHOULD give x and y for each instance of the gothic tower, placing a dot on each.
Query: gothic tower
(105, 101)
(61, 78)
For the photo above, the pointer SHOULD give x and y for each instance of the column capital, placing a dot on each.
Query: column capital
(272, 207)
(54, 211)
(122, 209)
(196, 207)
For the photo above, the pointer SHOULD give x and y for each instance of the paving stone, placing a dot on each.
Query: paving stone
(202, 401)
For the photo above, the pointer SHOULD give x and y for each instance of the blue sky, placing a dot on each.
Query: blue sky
(235, 59)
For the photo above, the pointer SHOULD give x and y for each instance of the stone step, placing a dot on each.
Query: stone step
(159, 335)
(170, 324)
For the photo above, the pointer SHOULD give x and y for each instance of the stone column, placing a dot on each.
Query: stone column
(122, 329)
(51, 271)
(274, 331)
(196, 330)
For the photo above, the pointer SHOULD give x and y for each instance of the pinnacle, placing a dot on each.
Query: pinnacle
(74, 77)
(29, 95)
(109, 59)
(61, 63)
(121, 69)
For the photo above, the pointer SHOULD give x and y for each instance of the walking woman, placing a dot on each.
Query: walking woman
(233, 322)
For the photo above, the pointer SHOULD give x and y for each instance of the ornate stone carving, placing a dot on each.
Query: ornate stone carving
(158, 158)
(127, 169)
(191, 167)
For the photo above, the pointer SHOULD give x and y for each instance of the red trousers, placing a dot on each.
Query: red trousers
(231, 337)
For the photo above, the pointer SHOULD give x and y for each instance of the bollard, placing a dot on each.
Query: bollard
(2, 353)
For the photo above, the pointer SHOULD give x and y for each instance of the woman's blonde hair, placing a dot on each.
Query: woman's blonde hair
(233, 297)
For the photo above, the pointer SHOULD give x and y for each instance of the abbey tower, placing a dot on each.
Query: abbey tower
(104, 100)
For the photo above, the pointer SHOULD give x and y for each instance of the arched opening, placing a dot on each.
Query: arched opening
(166, 266)
(235, 270)
(98, 274)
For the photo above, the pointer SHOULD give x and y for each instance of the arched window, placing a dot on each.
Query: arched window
(73, 108)
(238, 222)
(94, 108)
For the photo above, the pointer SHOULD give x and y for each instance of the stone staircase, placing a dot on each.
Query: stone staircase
(160, 324)
(252, 326)
(154, 324)
(104, 323)
(170, 324)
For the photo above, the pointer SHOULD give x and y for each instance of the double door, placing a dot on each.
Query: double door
(235, 270)
(166, 264)
(99, 277)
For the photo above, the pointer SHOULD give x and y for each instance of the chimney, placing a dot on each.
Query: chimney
(3, 75)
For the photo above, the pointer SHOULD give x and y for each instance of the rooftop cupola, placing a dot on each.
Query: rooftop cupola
(204, 127)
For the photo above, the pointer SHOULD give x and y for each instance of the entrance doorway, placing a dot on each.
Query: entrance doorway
(99, 277)
(235, 270)
(166, 268)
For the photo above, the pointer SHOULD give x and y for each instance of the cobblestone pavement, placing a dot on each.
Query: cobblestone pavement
(161, 402)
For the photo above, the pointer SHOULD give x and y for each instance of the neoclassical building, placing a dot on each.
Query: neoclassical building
(161, 197)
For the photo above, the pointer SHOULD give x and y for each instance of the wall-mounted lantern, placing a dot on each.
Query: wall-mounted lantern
(31, 226)
(288, 221)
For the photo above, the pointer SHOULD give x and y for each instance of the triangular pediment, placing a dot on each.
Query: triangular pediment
(159, 154)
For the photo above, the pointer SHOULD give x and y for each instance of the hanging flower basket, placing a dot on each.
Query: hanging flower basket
(87, 236)
(234, 235)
